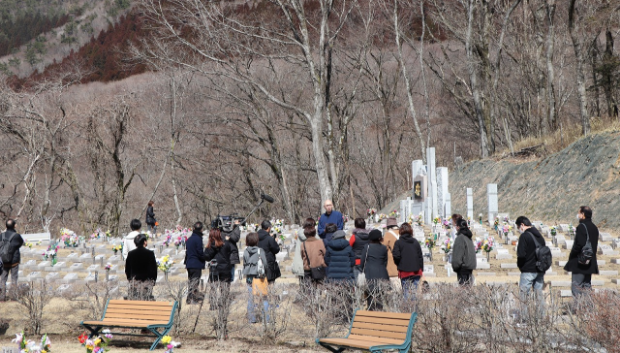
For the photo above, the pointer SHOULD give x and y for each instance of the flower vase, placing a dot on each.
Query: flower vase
(54, 260)
(107, 275)
(488, 256)
(166, 275)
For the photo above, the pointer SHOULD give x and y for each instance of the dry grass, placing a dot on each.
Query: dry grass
(562, 137)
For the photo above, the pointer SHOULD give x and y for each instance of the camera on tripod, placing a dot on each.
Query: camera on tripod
(226, 223)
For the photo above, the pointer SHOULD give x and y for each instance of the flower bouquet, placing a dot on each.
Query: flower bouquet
(394, 214)
(382, 216)
(277, 229)
(170, 344)
(487, 246)
(29, 245)
(430, 244)
(164, 264)
(446, 246)
(108, 266)
(51, 253)
(371, 212)
(98, 344)
(69, 237)
(436, 220)
(26, 346)
(278, 223)
(496, 224)
(478, 245)
(117, 248)
(554, 231)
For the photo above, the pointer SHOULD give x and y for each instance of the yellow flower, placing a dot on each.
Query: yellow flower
(43, 351)
(97, 341)
(166, 339)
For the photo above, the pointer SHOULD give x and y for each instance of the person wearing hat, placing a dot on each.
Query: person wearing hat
(141, 270)
(374, 261)
(340, 259)
(389, 239)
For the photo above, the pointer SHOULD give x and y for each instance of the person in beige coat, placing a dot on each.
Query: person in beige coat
(312, 255)
(389, 238)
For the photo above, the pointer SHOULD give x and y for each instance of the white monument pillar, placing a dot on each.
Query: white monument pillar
(442, 190)
(403, 211)
(492, 200)
(448, 205)
(432, 176)
(470, 203)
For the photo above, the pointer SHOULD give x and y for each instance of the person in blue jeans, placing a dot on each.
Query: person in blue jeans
(254, 269)
(407, 254)
(531, 278)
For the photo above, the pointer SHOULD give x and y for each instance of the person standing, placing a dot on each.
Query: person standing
(358, 241)
(256, 281)
(374, 261)
(408, 257)
(340, 259)
(313, 256)
(330, 216)
(298, 263)
(233, 235)
(141, 270)
(389, 239)
(582, 273)
(268, 243)
(195, 260)
(218, 253)
(128, 242)
(11, 263)
(330, 229)
(463, 254)
(531, 277)
(150, 219)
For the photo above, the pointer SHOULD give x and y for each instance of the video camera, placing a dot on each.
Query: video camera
(226, 223)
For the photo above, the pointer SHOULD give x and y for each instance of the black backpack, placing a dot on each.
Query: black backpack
(5, 256)
(543, 256)
(587, 253)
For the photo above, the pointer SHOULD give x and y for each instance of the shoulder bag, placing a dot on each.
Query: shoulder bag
(317, 273)
(361, 278)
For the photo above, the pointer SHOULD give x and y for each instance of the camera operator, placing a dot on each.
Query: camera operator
(232, 234)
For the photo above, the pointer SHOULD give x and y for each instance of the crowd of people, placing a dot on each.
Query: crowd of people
(322, 254)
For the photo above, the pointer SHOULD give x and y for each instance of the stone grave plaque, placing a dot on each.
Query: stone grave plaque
(605, 237)
(568, 244)
(51, 276)
(509, 265)
(43, 264)
(30, 264)
(70, 278)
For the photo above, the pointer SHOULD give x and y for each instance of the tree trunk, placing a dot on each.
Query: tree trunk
(581, 77)
(551, 104)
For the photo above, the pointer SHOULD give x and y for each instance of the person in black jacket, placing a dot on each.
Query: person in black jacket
(359, 240)
(141, 270)
(374, 265)
(150, 219)
(582, 274)
(407, 254)
(330, 229)
(531, 277)
(218, 253)
(233, 235)
(12, 266)
(268, 243)
(195, 260)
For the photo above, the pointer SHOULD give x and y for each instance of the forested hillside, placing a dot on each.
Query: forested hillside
(203, 105)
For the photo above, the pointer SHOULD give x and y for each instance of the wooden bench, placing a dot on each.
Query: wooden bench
(374, 331)
(156, 317)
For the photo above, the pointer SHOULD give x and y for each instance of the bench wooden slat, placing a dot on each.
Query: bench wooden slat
(347, 342)
(149, 317)
(128, 323)
(376, 340)
(383, 315)
(376, 333)
(139, 312)
(139, 302)
(374, 320)
(381, 328)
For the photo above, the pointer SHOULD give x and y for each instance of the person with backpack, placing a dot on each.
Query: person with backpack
(531, 260)
(463, 254)
(254, 269)
(10, 257)
(582, 261)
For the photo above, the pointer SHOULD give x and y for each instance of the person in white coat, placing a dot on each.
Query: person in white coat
(128, 241)
(298, 264)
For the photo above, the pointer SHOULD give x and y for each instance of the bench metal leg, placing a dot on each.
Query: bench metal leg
(158, 335)
(93, 331)
(329, 348)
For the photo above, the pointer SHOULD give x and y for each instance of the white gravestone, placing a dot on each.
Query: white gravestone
(448, 205)
(432, 175)
(442, 191)
(470, 203)
(492, 202)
